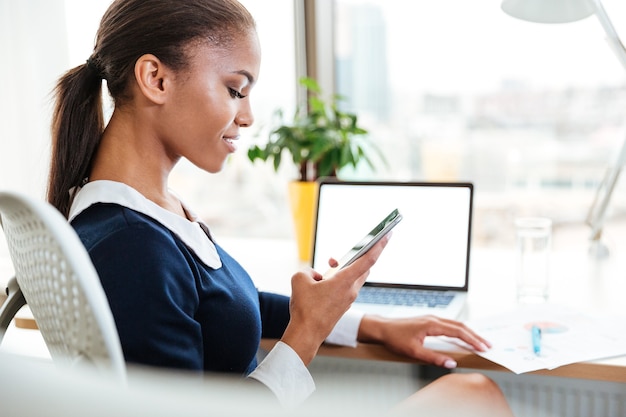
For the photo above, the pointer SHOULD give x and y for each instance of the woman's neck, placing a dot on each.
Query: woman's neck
(130, 155)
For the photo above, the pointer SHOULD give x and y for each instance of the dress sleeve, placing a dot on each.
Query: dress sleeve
(152, 294)
(274, 314)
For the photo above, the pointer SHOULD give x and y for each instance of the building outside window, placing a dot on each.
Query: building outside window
(532, 114)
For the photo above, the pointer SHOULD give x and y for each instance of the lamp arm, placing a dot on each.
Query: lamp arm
(611, 34)
(597, 212)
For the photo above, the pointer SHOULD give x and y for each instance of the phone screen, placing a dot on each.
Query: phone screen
(365, 244)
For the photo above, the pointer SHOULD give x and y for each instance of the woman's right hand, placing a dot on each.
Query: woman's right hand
(317, 303)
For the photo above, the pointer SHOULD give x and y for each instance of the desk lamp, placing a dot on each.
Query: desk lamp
(564, 11)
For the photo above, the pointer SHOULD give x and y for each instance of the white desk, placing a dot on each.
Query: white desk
(594, 287)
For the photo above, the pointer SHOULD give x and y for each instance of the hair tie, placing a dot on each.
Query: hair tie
(94, 67)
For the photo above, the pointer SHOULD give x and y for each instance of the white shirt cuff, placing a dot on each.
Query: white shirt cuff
(284, 373)
(347, 329)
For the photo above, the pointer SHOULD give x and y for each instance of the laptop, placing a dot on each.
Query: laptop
(425, 267)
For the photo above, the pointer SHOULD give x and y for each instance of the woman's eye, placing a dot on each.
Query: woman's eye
(235, 94)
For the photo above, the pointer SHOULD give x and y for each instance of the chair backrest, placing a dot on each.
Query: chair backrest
(60, 284)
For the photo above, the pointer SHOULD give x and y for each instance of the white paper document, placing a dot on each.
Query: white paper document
(566, 337)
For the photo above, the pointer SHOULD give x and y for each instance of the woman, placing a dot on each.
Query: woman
(180, 74)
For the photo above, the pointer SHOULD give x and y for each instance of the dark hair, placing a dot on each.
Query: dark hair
(128, 30)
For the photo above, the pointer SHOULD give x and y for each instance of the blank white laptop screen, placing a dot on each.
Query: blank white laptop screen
(430, 246)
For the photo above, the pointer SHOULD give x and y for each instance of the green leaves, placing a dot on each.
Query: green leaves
(321, 138)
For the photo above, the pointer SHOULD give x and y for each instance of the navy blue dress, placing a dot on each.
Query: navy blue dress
(170, 309)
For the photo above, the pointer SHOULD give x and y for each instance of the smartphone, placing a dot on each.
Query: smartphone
(367, 242)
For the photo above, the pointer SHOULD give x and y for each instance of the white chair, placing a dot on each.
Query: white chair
(58, 281)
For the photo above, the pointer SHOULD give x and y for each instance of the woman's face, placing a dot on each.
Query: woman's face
(211, 102)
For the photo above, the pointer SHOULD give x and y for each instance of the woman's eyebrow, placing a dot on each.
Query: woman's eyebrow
(245, 74)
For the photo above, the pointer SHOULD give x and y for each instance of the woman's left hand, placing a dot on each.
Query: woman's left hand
(406, 336)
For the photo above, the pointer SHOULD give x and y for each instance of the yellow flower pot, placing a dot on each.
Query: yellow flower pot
(302, 200)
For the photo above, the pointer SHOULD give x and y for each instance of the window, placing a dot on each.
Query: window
(453, 90)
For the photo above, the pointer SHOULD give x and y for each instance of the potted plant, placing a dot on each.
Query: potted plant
(320, 140)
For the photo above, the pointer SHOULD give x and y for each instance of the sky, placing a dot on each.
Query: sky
(460, 45)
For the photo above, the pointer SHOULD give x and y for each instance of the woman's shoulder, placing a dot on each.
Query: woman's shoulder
(107, 221)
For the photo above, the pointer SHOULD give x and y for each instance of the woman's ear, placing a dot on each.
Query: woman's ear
(151, 76)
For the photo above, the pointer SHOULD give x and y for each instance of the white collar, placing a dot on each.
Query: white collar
(192, 233)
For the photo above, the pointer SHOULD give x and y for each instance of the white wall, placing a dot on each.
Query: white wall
(33, 47)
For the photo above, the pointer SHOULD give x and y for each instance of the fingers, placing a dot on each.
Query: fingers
(459, 330)
(450, 328)
(436, 358)
(348, 284)
(408, 335)
(316, 275)
(304, 278)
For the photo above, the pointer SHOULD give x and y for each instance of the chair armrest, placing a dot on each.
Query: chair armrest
(11, 305)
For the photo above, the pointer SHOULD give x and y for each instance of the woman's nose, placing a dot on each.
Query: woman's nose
(245, 118)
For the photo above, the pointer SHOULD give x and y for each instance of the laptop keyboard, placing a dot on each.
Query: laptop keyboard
(404, 297)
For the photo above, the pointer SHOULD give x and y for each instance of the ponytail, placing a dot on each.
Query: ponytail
(77, 126)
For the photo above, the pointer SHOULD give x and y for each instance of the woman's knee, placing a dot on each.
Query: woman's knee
(458, 394)
(474, 382)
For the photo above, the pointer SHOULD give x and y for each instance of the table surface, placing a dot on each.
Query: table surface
(577, 281)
